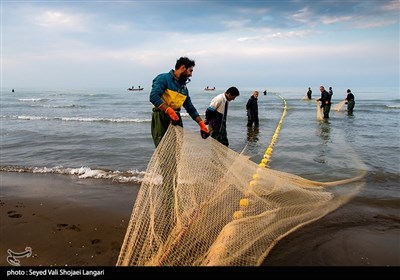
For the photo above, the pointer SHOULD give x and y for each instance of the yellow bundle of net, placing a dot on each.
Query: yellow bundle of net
(203, 204)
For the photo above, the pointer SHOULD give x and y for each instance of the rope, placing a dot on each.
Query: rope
(268, 151)
(244, 202)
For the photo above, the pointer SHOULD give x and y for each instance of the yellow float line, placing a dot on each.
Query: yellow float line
(268, 152)
(244, 202)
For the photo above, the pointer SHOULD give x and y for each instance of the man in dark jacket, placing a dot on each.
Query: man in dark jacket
(350, 102)
(252, 109)
(325, 101)
(309, 93)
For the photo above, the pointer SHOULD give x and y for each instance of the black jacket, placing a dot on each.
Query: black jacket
(325, 98)
(252, 106)
(350, 96)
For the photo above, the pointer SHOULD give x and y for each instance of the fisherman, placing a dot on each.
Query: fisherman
(325, 101)
(216, 115)
(252, 109)
(350, 102)
(168, 94)
(309, 92)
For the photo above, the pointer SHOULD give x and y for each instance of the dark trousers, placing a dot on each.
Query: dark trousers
(326, 110)
(252, 118)
(350, 107)
(159, 125)
(219, 133)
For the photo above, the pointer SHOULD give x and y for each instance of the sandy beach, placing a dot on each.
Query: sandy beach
(68, 221)
(63, 222)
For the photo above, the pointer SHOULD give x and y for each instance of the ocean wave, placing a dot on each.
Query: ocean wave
(74, 106)
(134, 175)
(393, 106)
(114, 120)
(32, 99)
(35, 118)
(77, 119)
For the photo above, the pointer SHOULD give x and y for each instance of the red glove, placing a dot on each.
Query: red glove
(204, 130)
(172, 115)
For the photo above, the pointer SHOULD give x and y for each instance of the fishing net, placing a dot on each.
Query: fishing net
(203, 204)
(320, 115)
(339, 106)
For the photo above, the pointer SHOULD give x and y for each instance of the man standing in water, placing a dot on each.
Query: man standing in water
(350, 102)
(252, 110)
(168, 94)
(309, 92)
(330, 91)
(217, 112)
(325, 101)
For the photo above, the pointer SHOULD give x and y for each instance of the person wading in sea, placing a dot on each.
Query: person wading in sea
(168, 94)
(252, 109)
(217, 112)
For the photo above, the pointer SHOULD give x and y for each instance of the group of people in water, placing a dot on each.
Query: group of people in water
(169, 93)
(326, 97)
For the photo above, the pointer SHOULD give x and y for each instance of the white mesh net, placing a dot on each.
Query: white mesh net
(204, 204)
(320, 115)
(339, 106)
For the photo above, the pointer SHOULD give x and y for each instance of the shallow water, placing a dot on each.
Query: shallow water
(106, 134)
(101, 133)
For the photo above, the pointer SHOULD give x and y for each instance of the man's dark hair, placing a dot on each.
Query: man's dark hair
(233, 91)
(184, 61)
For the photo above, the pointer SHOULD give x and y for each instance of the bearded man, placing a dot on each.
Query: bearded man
(168, 94)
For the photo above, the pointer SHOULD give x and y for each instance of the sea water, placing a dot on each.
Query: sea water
(105, 133)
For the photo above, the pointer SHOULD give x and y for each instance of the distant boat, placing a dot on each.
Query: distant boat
(133, 88)
(208, 88)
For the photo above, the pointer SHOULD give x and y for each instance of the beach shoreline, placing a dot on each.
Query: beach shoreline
(70, 222)
(65, 223)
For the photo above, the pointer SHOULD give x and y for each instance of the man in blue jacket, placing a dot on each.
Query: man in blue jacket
(168, 94)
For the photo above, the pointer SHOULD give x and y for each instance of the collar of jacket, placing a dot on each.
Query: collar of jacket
(175, 79)
(181, 86)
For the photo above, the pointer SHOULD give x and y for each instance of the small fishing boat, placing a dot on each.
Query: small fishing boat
(208, 88)
(133, 88)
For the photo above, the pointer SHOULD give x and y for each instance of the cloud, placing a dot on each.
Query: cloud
(303, 15)
(392, 6)
(53, 19)
(374, 24)
(277, 35)
(227, 38)
(333, 20)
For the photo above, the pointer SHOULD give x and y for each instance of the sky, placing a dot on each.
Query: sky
(118, 44)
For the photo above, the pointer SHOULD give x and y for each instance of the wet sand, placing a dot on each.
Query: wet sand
(64, 221)
(67, 221)
(350, 236)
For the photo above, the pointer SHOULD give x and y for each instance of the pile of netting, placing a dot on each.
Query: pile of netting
(203, 204)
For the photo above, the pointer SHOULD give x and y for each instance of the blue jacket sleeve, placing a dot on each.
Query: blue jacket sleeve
(190, 108)
(158, 88)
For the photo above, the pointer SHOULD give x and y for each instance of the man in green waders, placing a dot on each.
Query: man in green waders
(168, 94)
